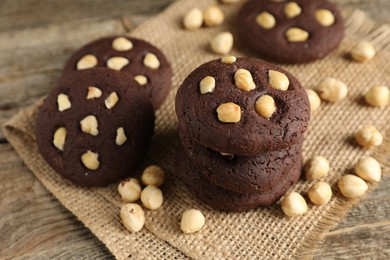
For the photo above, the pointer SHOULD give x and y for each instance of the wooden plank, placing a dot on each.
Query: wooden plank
(365, 232)
(377, 9)
(21, 14)
(371, 242)
(31, 60)
(36, 225)
(17, 93)
(45, 49)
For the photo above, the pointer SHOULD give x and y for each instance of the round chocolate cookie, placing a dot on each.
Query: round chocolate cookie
(244, 107)
(95, 127)
(296, 31)
(141, 60)
(242, 174)
(222, 199)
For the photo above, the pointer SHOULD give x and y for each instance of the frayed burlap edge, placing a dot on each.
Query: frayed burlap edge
(359, 27)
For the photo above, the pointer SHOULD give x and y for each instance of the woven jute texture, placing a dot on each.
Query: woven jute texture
(264, 233)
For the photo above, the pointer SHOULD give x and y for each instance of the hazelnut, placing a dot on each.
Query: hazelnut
(363, 51)
(278, 80)
(151, 197)
(320, 193)
(295, 34)
(317, 167)
(368, 169)
(332, 90)
(325, 17)
(314, 99)
(90, 160)
(266, 20)
(243, 80)
(293, 204)
(117, 63)
(368, 136)
(153, 175)
(207, 85)
(229, 112)
(213, 15)
(63, 102)
(93, 92)
(86, 62)
(111, 100)
(192, 221)
(292, 9)
(151, 61)
(141, 79)
(89, 125)
(229, 59)
(133, 217)
(265, 106)
(122, 44)
(120, 136)
(377, 96)
(352, 186)
(59, 138)
(222, 43)
(193, 19)
(228, 156)
(130, 190)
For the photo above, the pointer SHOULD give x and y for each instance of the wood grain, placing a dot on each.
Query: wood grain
(36, 37)
(36, 225)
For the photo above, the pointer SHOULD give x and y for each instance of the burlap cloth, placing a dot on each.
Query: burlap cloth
(264, 233)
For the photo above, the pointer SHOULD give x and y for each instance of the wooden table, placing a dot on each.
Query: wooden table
(36, 37)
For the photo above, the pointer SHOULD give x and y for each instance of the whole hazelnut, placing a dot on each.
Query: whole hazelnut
(368, 169)
(153, 175)
(193, 19)
(129, 189)
(222, 43)
(332, 90)
(133, 217)
(213, 16)
(316, 167)
(363, 51)
(320, 193)
(293, 204)
(368, 136)
(352, 186)
(192, 221)
(151, 197)
(377, 96)
(314, 99)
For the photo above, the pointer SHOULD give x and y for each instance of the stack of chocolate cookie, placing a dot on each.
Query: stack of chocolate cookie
(241, 124)
(96, 126)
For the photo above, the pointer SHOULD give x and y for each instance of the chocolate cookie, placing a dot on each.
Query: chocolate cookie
(95, 127)
(244, 106)
(242, 174)
(296, 31)
(222, 199)
(141, 60)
